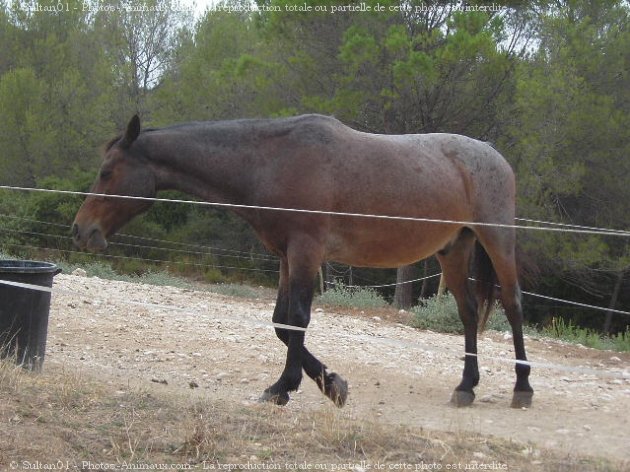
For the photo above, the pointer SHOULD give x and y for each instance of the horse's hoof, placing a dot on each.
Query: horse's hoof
(522, 399)
(462, 398)
(280, 399)
(337, 389)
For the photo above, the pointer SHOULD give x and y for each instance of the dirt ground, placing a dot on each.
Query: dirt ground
(178, 339)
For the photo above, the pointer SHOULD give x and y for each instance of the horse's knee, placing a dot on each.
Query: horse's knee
(283, 335)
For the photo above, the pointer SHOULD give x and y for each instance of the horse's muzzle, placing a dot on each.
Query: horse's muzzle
(91, 239)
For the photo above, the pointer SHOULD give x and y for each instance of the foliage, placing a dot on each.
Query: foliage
(571, 96)
(350, 297)
(546, 82)
(567, 331)
(212, 82)
(440, 314)
(621, 341)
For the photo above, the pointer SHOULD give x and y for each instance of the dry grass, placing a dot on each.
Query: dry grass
(64, 415)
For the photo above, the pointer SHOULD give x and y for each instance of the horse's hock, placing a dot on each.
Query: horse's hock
(24, 308)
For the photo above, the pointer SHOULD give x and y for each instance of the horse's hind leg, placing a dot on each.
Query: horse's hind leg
(454, 261)
(511, 299)
(332, 385)
(499, 244)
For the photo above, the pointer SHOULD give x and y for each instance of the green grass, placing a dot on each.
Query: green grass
(349, 297)
(621, 341)
(567, 331)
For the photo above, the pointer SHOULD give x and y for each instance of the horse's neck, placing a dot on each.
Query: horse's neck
(197, 167)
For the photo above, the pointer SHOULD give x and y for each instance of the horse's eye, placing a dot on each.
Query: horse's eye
(105, 174)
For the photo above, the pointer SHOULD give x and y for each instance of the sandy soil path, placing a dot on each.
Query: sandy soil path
(171, 338)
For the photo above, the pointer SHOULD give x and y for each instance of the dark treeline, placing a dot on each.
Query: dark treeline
(547, 82)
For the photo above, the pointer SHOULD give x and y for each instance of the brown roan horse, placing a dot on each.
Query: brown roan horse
(314, 162)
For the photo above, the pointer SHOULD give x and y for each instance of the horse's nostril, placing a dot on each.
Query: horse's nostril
(75, 232)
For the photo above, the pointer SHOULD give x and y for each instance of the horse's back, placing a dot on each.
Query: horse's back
(417, 174)
(409, 159)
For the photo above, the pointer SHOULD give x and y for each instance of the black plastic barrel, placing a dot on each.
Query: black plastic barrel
(25, 289)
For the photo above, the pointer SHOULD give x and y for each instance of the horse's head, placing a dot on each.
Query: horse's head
(125, 171)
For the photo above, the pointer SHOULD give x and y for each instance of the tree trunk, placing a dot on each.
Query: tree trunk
(329, 277)
(403, 296)
(613, 301)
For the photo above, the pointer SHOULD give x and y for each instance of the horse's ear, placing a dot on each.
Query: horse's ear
(132, 132)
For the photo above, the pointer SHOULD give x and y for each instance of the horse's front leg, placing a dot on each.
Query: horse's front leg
(298, 273)
(331, 384)
(300, 299)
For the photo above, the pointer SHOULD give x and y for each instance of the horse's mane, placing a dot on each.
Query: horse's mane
(114, 140)
(111, 142)
(268, 127)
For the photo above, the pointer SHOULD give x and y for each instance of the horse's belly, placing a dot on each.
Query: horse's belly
(387, 245)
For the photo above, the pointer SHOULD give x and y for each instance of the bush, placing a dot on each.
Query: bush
(440, 314)
(351, 297)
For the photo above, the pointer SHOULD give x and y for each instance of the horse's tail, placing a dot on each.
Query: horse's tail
(486, 279)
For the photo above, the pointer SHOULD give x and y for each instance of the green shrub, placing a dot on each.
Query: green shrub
(212, 275)
(499, 322)
(351, 297)
(440, 314)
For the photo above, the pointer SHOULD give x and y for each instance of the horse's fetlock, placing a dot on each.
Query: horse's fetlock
(277, 397)
(292, 382)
